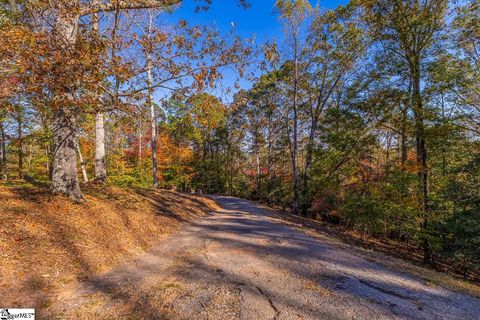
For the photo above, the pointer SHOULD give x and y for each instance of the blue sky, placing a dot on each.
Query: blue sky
(259, 20)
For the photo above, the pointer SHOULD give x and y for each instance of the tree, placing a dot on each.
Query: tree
(335, 44)
(150, 103)
(3, 149)
(184, 62)
(294, 14)
(71, 81)
(466, 67)
(64, 37)
(200, 121)
(408, 29)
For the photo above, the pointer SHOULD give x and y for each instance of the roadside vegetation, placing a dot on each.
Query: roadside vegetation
(366, 117)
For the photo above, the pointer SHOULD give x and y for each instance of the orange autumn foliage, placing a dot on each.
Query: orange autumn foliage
(170, 154)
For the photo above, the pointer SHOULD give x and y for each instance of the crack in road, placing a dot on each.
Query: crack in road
(269, 299)
(386, 291)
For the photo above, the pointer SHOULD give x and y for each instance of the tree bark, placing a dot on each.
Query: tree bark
(257, 165)
(64, 174)
(295, 202)
(140, 139)
(83, 164)
(64, 166)
(100, 163)
(20, 140)
(48, 166)
(403, 145)
(269, 156)
(153, 123)
(422, 160)
(307, 197)
(403, 140)
(3, 150)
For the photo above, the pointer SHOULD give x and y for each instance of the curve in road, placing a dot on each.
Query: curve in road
(242, 263)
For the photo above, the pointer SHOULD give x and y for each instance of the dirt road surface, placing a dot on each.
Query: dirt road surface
(241, 263)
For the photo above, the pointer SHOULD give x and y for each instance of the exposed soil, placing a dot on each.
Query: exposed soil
(48, 243)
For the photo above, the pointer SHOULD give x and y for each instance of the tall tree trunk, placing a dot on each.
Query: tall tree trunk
(153, 122)
(295, 202)
(48, 162)
(269, 157)
(387, 156)
(421, 158)
(20, 140)
(403, 140)
(444, 145)
(257, 165)
(404, 137)
(64, 166)
(3, 151)
(153, 125)
(100, 154)
(83, 164)
(100, 163)
(64, 174)
(140, 139)
(228, 164)
(307, 194)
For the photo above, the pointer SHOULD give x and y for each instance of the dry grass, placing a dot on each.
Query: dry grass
(48, 242)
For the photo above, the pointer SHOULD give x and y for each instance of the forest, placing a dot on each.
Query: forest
(365, 116)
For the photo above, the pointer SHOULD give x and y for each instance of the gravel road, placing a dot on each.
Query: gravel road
(241, 263)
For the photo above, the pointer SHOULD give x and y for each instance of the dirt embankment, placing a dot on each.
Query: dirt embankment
(47, 243)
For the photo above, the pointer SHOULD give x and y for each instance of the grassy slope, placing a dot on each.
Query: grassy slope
(47, 242)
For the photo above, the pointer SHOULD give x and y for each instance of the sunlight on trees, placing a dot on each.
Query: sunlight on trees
(367, 116)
